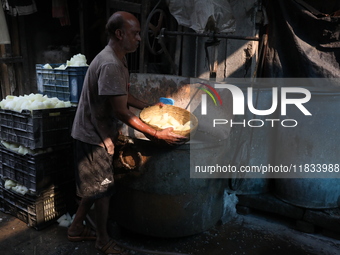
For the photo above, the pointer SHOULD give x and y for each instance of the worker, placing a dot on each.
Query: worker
(102, 109)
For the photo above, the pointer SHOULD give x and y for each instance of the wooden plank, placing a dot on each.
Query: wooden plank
(2, 81)
(11, 60)
(5, 81)
(23, 70)
(124, 6)
(14, 89)
(5, 88)
(13, 50)
(142, 56)
(83, 26)
(178, 49)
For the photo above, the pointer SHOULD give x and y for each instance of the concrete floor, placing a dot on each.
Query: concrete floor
(246, 234)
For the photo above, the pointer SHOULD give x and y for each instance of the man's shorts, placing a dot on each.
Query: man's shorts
(93, 170)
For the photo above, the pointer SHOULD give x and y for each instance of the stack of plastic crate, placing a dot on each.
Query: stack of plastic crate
(46, 171)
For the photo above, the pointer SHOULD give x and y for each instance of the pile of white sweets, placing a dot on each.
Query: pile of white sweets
(32, 102)
(165, 121)
(76, 60)
(22, 150)
(9, 184)
(65, 220)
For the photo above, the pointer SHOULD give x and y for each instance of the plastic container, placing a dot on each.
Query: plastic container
(65, 84)
(40, 171)
(38, 212)
(39, 129)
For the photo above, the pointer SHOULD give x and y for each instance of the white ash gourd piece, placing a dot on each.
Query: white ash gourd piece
(160, 117)
(165, 121)
(76, 60)
(32, 102)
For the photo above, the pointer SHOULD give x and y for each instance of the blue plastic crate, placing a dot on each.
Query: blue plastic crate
(65, 84)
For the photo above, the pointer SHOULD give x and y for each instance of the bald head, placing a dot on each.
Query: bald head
(123, 29)
(118, 21)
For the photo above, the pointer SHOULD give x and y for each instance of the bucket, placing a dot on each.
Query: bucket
(313, 141)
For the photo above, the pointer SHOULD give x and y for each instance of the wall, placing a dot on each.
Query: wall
(40, 39)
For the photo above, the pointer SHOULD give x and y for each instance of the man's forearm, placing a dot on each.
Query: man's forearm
(133, 121)
(134, 102)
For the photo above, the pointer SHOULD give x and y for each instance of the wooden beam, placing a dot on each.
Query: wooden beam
(142, 56)
(178, 49)
(125, 6)
(13, 50)
(11, 60)
(4, 81)
(26, 84)
(83, 26)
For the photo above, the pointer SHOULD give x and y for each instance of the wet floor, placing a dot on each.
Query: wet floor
(246, 234)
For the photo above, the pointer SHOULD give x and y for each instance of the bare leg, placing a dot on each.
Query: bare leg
(102, 210)
(77, 225)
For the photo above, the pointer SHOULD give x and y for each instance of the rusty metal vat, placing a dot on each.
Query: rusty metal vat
(309, 193)
(160, 199)
(314, 141)
(252, 146)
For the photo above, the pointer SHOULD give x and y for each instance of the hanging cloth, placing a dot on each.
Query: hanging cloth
(19, 7)
(4, 35)
(60, 10)
(302, 41)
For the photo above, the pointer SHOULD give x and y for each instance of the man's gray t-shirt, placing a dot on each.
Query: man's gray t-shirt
(94, 121)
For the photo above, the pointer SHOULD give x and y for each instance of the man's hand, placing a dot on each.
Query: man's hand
(160, 104)
(165, 136)
(170, 138)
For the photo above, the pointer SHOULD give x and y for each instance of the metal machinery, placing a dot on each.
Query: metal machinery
(158, 40)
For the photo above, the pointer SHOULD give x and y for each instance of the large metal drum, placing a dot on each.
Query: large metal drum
(309, 193)
(252, 146)
(314, 141)
(162, 200)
